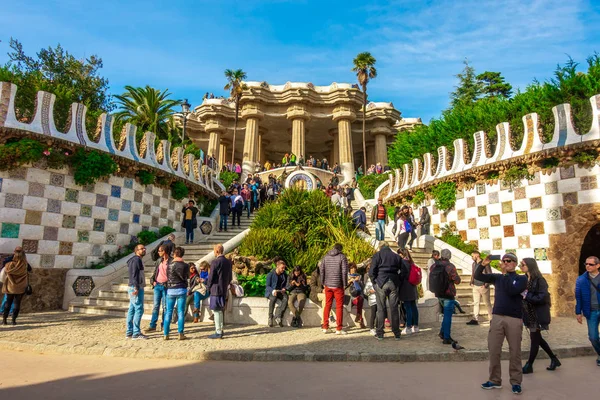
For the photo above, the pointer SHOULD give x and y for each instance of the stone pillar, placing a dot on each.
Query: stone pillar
(344, 115)
(262, 143)
(335, 151)
(298, 114)
(380, 131)
(214, 128)
(252, 115)
(370, 154)
(223, 152)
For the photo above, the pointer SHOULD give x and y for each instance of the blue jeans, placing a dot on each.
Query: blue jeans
(223, 221)
(160, 295)
(4, 298)
(136, 310)
(247, 204)
(171, 300)
(592, 323)
(380, 229)
(448, 306)
(189, 231)
(412, 314)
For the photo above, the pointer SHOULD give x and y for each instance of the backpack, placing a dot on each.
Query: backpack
(407, 226)
(415, 275)
(438, 279)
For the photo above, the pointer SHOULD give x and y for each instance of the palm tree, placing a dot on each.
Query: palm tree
(236, 86)
(364, 66)
(148, 108)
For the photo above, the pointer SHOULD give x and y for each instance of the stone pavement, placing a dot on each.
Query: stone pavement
(67, 333)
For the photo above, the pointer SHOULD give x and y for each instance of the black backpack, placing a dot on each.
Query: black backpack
(438, 279)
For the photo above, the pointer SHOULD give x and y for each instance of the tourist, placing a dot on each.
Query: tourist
(334, 275)
(253, 195)
(275, 290)
(189, 221)
(316, 288)
(218, 284)
(480, 289)
(378, 168)
(297, 286)
(137, 281)
(360, 219)
(238, 168)
(324, 164)
(336, 199)
(385, 275)
(357, 289)
(224, 208)
(408, 294)
(285, 160)
(507, 320)
(353, 185)
(403, 227)
(177, 284)
(4, 263)
(425, 220)
(248, 179)
(587, 297)
(301, 160)
(159, 281)
(443, 279)
(344, 200)
(350, 193)
(197, 290)
(359, 171)
(380, 218)
(336, 169)
(536, 314)
(237, 205)
(435, 256)
(267, 165)
(15, 284)
(292, 159)
(372, 300)
(246, 196)
(413, 226)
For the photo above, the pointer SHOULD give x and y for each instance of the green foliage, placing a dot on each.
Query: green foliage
(468, 89)
(418, 198)
(368, 183)
(454, 240)
(586, 158)
(444, 195)
(493, 175)
(146, 177)
(164, 231)
(467, 117)
(15, 154)
(89, 166)
(206, 205)
(390, 210)
(227, 177)
(265, 244)
(179, 190)
(550, 162)
(162, 181)
(57, 158)
(515, 174)
(493, 85)
(147, 237)
(254, 286)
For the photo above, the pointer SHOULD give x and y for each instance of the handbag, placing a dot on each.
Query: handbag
(28, 288)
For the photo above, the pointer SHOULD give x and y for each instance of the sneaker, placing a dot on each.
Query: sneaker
(139, 337)
(398, 336)
(270, 322)
(406, 331)
(280, 322)
(341, 332)
(166, 337)
(182, 336)
(441, 335)
(325, 330)
(150, 330)
(516, 389)
(216, 336)
(491, 385)
(128, 336)
(448, 341)
(415, 329)
(473, 322)
(373, 332)
(379, 337)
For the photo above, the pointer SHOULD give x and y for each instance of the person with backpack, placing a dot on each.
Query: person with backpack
(359, 218)
(403, 228)
(408, 291)
(356, 291)
(443, 279)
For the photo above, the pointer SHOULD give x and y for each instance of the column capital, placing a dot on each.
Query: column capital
(297, 111)
(250, 110)
(214, 125)
(381, 127)
(344, 112)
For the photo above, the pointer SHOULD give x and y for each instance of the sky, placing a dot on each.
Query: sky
(419, 45)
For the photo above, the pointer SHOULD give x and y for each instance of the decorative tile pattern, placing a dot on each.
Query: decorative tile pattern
(126, 205)
(495, 220)
(155, 222)
(80, 262)
(148, 189)
(178, 214)
(587, 182)
(566, 173)
(13, 201)
(96, 250)
(493, 198)
(512, 251)
(507, 207)
(509, 230)
(163, 213)
(436, 229)
(137, 196)
(30, 246)
(504, 185)
(480, 188)
(98, 225)
(172, 202)
(113, 215)
(434, 211)
(36, 189)
(10, 231)
(536, 179)
(452, 226)
(551, 187)
(520, 193)
(523, 242)
(463, 235)
(33, 217)
(136, 218)
(124, 228)
(54, 206)
(83, 236)
(537, 228)
(570, 198)
(128, 183)
(72, 195)
(553, 214)
(65, 248)
(85, 211)
(484, 233)
(115, 191)
(206, 227)
(470, 202)
(50, 233)
(18, 173)
(156, 201)
(472, 223)
(111, 238)
(497, 244)
(101, 200)
(535, 203)
(460, 215)
(69, 221)
(83, 286)
(57, 180)
(165, 193)
(521, 217)
(146, 209)
(482, 211)
(540, 254)
(47, 260)
(89, 188)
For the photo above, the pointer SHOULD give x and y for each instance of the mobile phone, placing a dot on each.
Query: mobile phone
(495, 257)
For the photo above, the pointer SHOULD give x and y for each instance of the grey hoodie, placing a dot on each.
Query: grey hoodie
(334, 269)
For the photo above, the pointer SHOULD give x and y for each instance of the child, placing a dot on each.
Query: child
(356, 293)
(372, 299)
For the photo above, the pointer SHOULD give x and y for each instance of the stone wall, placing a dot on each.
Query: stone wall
(48, 289)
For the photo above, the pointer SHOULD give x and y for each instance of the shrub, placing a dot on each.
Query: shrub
(586, 158)
(254, 286)
(179, 190)
(455, 240)
(146, 177)
(444, 195)
(147, 237)
(15, 154)
(418, 198)
(368, 183)
(515, 174)
(227, 177)
(206, 205)
(164, 231)
(89, 166)
(265, 244)
(550, 162)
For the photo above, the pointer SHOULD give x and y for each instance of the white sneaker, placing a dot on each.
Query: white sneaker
(406, 331)
(325, 330)
(415, 329)
(373, 332)
(342, 332)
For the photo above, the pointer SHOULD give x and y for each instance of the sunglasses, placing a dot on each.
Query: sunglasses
(591, 264)
(507, 261)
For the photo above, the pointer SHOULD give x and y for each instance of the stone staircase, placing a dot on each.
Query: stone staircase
(464, 292)
(114, 300)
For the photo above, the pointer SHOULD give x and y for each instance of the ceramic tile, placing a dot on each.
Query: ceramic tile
(493, 198)
(480, 188)
(69, 221)
(484, 233)
(111, 238)
(124, 228)
(83, 236)
(30, 246)
(50, 233)
(509, 230)
(535, 203)
(155, 222)
(85, 211)
(10, 230)
(570, 198)
(536, 179)
(460, 214)
(72, 195)
(126, 205)
(101, 200)
(113, 215)
(165, 193)
(33, 217)
(145, 228)
(434, 210)
(497, 244)
(128, 183)
(470, 202)
(589, 182)
(146, 209)
(177, 216)
(137, 196)
(96, 250)
(148, 189)
(511, 251)
(521, 217)
(495, 220)
(452, 226)
(472, 223)
(568, 172)
(57, 180)
(80, 262)
(507, 207)
(18, 173)
(519, 193)
(553, 214)
(47, 260)
(99, 225)
(156, 201)
(65, 248)
(163, 213)
(537, 228)
(523, 242)
(13, 201)
(481, 211)
(436, 229)
(540, 254)
(89, 188)
(463, 235)
(115, 191)
(136, 218)
(172, 203)
(54, 206)
(551, 187)
(504, 185)
(36, 189)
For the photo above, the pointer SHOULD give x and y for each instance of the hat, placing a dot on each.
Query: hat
(445, 254)
(510, 256)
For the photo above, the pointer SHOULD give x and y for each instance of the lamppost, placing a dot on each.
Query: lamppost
(185, 110)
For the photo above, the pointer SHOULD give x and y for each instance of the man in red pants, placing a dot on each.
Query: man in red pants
(334, 275)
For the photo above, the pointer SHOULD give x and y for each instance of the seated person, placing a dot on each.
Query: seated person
(276, 282)
(297, 286)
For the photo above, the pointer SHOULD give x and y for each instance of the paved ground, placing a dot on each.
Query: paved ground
(31, 376)
(63, 332)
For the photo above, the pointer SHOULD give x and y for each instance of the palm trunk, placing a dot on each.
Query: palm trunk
(364, 128)
(237, 108)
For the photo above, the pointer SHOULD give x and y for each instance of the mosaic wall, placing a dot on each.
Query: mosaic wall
(63, 225)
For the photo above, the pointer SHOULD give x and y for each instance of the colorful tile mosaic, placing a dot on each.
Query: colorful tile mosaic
(511, 251)
(128, 183)
(80, 262)
(523, 242)
(98, 225)
(520, 193)
(497, 244)
(452, 226)
(470, 202)
(30, 246)
(568, 172)
(50, 233)
(54, 206)
(460, 214)
(540, 254)
(33, 217)
(126, 205)
(163, 213)
(521, 217)
(83, 286)
(72, 195)
(96, 250)
(535, 203)
(113, 215)
(436, 229)
(495, 220)
(148, 189)
(589, 182)
(136, 218)
(69, 221)
(146, 209)
(570, 198)
(85, 211)
(463, 235)
(9, 230)
(137, 196)
(484, 233)
(36, 189)
(89, 188)
(504, 185)
(482, 211)
(472, 223)
(155, 222)
(480, 188)
(115, 191)
(124, 228)
(509, 230)
(507, 207)
(536, 179)
(65, 248)
(47, 260)
(553, 214)
(13, 200)
(83, 236)
(111, 238)
(537, 228)
(101, 200)
(57, 180)
(551, 187)
(493, 198)
(165, 193)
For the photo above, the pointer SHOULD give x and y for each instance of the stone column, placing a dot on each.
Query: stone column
(262, 144)
(223, 152)
(380, 131)
(344, 115)
(335, 151)
(252, 115)
(298, 114)
(370, 154)
(214, 128)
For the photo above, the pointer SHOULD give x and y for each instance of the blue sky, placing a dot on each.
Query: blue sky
(186, 45)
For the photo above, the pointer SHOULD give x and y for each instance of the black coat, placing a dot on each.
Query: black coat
(385, 265)
(178, 273)
(539, 297)
(220, 276)
(407, 291)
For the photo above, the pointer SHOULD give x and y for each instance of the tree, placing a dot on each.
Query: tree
(147, 108)
(468, 89)
(364, 66)
(236, 86)
(493, 85)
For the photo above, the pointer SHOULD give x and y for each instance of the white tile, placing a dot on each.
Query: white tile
(508, 219)
(569, 185)
(82, 249)
(589, 196)
(7, 246)
(537, 241)
(127, 194)
(33, 260)
(15, 186)
(587, 171)
(99, 212)
(496, 232)
(38, 175)
(87, 198)
(12, 215)
(84, 223)
(485, 245)
(147, 198)
(114, 202)
(102, 188)
(52, 219)
(48, 247)
(537, 215)
(552, 200)
(510, 243)
(555, 227)
(33, 232)
(545, 267)
(483, 222)
(54, 192)
(67, 235)
(97, 238)
(111, 226)
(125, 216)
(64, 261)
(69, 208)
(520, 205)
(35, 203)
(535, 191)
(137, 208)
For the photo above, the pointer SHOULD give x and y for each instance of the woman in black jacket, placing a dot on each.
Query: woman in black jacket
(425, 220)
(536, 314)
